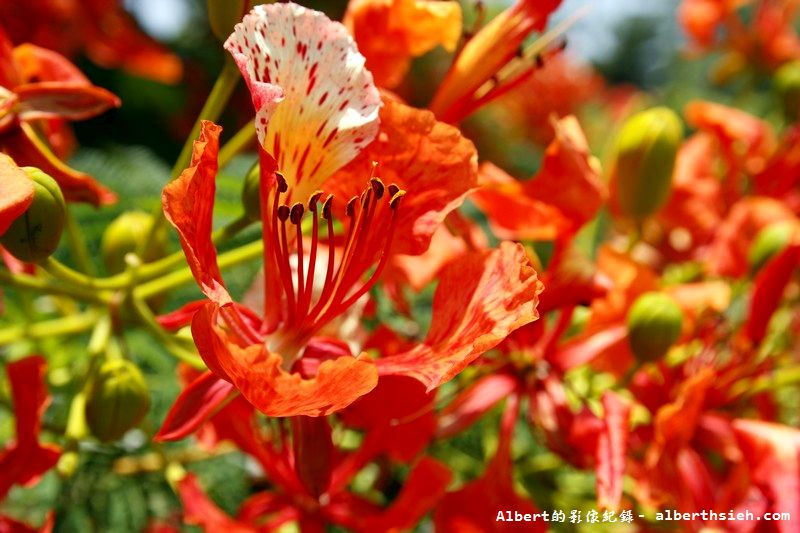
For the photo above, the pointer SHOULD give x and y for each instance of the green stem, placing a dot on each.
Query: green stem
(67, 325)
(183, 276)
(77, 244)
(237, 143)
(25, 281)
(212, 109)
(145, 272)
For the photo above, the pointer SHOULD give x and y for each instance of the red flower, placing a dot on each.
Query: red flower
(39, 91)
(26, 459)
(99, 28)
(313, 125)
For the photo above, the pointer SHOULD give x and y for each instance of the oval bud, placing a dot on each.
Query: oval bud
(223, 16)
(769, 241)
(787, 85)
(645, 154)
(126, 234)
(251, 199)
(654, 324)
(35, 234)
(117, 401)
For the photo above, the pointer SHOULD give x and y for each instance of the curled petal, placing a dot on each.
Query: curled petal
(259, 374)
(27, 459)
(71, 101)
(481, 298)
(35, 63)
(188, 204)
(16, 192)
(195, 405)
(330, 106)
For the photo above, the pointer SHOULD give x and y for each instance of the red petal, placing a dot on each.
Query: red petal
(612, 448)
(41, 64)
(586, 348)
(481, 298)
(260, 377)
(474, 402)
(70, 101)
(188, 204)
(27, 459)
(16, 192)
(772, 452)
(195, 405)
(768, 290)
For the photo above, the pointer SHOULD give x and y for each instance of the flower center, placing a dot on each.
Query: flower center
(305, 305)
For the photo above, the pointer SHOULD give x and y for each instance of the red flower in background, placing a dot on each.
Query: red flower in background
(39, 92)
(309, 127)
(25, 459)
(391, 32)
(99, 28)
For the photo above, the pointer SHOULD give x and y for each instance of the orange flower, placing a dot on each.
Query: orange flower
(99, 28)
(311, 122)
(40, 90)
(391, 32)
(566, 193)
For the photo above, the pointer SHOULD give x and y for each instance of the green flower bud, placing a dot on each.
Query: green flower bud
(769, 241)
(118, 399)
(787, 85)
(654, 324)
(223, 16)
(35, 234)
(126, 234)
(645, 159)
(251, 199)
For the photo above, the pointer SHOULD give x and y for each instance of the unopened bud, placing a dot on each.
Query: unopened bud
(34, 235)
(128, 233)
(654, 324)
(118, 400)
(787, 85)
(769, 241)
(645, 159)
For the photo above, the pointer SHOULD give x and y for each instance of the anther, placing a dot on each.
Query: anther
(350, 208)
(326, 207)
(377, 187)
(282, 185)
(365, 197)
(283, 212)
(296, 214)
(392, 189)
(395, 201)
(313, 200)
(539, 61)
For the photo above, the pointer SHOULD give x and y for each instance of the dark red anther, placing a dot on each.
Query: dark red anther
(283, 212)
(296, 214)
(377, 187)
